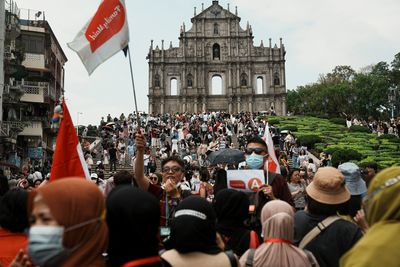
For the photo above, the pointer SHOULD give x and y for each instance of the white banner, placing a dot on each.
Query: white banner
(245, 180)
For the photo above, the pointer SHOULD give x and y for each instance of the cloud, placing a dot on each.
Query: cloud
(319, 35)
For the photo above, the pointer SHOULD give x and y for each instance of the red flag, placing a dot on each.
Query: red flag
(272, 164)
(103, 36)
(68, 157)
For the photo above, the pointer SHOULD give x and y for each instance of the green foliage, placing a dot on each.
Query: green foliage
(308, 140)
(390, 137)
(359, 128)
(272, 121)
(343, 90)
(340, 121)
(344, 155)
(334, 137)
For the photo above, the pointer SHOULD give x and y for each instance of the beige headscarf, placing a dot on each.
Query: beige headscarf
(277, 223)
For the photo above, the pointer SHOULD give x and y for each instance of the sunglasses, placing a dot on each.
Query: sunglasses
(258, 151)
(172, 169)
(153, 178)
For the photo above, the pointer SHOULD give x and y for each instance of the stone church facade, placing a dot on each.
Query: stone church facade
(217, 68)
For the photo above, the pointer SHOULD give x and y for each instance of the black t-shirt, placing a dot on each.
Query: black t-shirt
(330, 244)
(113, 153)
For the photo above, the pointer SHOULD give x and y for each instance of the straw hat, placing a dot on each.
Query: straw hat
(328, 187)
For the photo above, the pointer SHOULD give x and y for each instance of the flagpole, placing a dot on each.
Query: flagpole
(133, 86)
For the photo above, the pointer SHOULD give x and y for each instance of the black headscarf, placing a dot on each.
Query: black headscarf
(133, 217)
(193, 227)
(13, 210)
(232, 209)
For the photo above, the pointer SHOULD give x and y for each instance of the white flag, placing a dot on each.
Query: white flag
(272, 164)
(103, 36)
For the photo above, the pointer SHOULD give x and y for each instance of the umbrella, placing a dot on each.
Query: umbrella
(227, 155)
(106, 127)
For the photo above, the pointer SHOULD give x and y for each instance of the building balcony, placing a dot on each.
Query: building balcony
(32, 128)
(34, 92)
(34, 61)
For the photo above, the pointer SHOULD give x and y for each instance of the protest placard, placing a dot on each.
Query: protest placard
(245, 180)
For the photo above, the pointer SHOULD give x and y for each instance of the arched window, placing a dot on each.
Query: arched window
(157, 80)
(174, 86)
(215, 28)
(216, 84)
(260, 85)
(243, 79)
(216, 51)
(190, 80)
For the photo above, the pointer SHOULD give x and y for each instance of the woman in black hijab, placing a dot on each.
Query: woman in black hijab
(133, 217)
(232, 209)
(193, 240)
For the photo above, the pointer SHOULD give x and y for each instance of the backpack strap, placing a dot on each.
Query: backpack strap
(250, 258)
(317, 230)
(232, 258)
(310, 258)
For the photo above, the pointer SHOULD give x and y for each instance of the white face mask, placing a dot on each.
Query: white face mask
(45, 243)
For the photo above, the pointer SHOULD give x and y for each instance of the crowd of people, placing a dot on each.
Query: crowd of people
(177, 208)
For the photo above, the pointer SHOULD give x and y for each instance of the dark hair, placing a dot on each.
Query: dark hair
(372, 165)
(291, 173)
(123, 177)
(258, 140)
(13, 210)
(204, 174)
(173, 158)
(4, 187)
(318, 208)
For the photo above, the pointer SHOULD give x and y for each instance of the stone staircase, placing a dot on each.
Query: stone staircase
(107, 174)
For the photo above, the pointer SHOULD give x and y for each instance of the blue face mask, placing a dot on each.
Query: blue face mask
(255, 161)
(45, 243)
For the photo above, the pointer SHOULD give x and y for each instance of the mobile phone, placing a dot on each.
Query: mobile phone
(165, 231)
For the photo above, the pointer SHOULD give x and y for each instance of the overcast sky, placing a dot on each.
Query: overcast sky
(318, 35)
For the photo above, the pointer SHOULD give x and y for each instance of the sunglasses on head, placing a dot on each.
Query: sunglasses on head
(258, 151)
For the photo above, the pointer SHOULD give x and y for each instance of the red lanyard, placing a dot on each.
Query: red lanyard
(143, 261)
(277, 240)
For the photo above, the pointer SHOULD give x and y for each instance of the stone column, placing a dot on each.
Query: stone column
(251, 105)
(284, 111)
(238, 104)
(162, 106)
(230, 105)
(195, 105)
(150, 106)
(204, 104)
(184, 104)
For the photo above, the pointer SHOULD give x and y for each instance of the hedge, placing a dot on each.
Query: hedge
(340, 156)
(308, 140)
(359, 128)
(340, 121)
